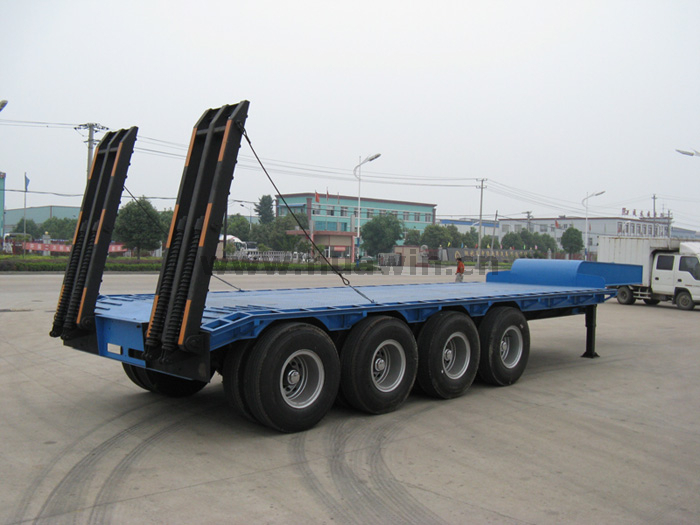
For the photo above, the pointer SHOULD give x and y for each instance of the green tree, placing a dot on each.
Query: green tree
(381, 233)
(33, 229)
(279, 239)
(488, 242)
(471, 238)
(545, 242)
(512, 240)
(139, 226)
(434, 236)
(412, 238)
(264, 210)
(572, 241)
(63, 229)
(528, 239)
(239, 226)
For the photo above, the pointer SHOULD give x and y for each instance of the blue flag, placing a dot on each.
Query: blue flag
(26, 182)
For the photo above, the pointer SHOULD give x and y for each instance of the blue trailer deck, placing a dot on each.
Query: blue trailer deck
(537, 288)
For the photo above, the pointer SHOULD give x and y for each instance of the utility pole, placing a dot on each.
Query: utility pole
(481, 214)
(91, 127)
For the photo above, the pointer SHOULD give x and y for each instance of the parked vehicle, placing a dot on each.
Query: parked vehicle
(670, 269)
(286, 355)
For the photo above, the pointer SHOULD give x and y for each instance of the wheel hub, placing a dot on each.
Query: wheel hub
(293, 377)
(447, 356)
(380, 364)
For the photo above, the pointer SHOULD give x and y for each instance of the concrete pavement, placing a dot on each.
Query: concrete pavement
(609, 440)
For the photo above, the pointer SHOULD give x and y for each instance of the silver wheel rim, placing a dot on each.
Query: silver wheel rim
(388, 365)
(456, 355)
(301, 380)
(511, 346)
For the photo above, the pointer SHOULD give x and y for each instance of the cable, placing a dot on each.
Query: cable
(344, 279)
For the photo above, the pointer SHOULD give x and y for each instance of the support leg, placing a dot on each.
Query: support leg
(590, 332)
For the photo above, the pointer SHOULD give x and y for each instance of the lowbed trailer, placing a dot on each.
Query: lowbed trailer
(287, 355)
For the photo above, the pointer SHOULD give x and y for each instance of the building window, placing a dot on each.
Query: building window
(406, 215)
(505, 228)
(518, 228)
(543, 228)
(428, 217)
(343, 211)
(416, 217)
(330, 211)
(370, 213)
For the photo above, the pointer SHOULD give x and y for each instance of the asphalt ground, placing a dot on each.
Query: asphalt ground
(608, 440)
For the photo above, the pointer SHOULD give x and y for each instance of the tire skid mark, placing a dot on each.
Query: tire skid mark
(367, 506)
(101, 510)
(336, 509)
(40, 478)
(386, 498)
(411, 510)
(69, 494)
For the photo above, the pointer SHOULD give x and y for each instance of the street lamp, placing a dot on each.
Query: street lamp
(3, 103)
(357, 172)
(693, 153)
(585, 203)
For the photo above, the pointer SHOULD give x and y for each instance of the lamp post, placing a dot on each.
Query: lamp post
(357, 172)
(693, 153)
(585, 203)
(3, 103)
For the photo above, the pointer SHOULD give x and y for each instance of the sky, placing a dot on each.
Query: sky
(548, 101)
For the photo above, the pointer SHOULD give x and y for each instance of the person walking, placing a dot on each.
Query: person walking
(459, 276)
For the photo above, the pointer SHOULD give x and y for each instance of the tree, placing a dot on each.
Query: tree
(139, 226)
(545, 242)
(434, 236)
(454, 237)
(512, 240)
(264, 210)
(488, 242)
(471, 238)
(239, 226)
(572, 241)
(63, 229)
(381, 233)
(33, 229)
(412, 238)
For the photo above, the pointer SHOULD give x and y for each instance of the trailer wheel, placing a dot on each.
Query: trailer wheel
(505, 346)
(132, 372)
(379, 361)
(160, 383)
(234, 379)
(684, 301)
(625, 295)
(448, 354)
(292, 377)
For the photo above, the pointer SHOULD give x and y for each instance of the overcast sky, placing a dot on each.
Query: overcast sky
(548, 100)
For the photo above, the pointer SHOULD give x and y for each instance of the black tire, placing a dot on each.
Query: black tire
(684, 301)
(132, 372)
(161, 383)
(505, 346)
(292, 377)
(234, 378)
(625, 295)
(651, 302)
(379, 363)
(448, 354)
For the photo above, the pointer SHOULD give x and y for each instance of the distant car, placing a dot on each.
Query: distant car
(367, 259)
